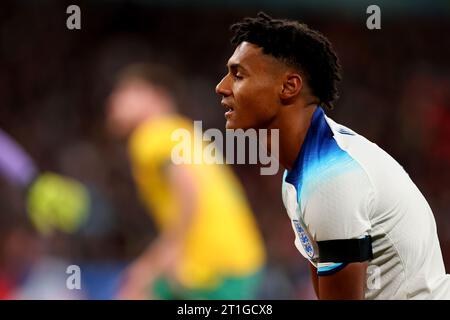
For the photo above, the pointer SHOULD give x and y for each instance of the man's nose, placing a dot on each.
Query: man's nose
(222, 88)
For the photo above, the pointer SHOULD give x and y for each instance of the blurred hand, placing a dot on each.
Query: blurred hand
(58, 203)
(137, 282)
(160, 259)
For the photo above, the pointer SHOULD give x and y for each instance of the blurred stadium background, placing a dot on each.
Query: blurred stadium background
(54, 81)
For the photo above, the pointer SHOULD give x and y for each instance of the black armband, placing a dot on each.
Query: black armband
(346, 250)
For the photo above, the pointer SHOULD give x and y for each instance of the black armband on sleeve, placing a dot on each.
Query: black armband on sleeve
(346, 250)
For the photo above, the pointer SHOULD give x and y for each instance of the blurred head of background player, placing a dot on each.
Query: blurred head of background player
(140, 94)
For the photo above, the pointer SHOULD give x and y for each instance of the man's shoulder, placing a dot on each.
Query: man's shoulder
(351, 141)
(155, 135)
(326, 155)
(377, 164)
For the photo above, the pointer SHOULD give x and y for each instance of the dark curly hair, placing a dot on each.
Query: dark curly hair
(298, 46)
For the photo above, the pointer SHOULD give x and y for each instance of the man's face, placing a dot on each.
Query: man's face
(127, 105)
(250, 89)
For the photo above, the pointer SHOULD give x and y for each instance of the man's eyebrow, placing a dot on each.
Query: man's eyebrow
(235, 66)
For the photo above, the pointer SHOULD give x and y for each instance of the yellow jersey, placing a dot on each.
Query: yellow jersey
(223, 239)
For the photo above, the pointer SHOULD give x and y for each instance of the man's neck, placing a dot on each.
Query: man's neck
(293, 123)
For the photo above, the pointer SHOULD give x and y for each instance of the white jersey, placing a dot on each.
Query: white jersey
(343, 186)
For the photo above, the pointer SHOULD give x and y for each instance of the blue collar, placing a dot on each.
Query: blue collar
(315, 143)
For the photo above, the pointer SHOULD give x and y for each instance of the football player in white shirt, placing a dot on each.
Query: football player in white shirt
(365, 228)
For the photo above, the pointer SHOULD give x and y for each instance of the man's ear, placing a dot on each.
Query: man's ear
(292, 85)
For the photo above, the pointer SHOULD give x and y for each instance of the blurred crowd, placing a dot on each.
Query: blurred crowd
(54, 82)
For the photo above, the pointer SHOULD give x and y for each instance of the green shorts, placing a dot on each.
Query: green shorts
(238, 288)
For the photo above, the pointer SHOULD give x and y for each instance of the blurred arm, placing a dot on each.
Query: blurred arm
(162, 254)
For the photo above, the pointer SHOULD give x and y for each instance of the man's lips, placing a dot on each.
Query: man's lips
(229, 109)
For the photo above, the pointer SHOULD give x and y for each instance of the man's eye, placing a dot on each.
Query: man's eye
(237, 76)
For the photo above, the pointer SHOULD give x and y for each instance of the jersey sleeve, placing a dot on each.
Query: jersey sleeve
(338, 216)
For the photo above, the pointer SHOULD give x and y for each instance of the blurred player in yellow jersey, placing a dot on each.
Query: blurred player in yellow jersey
(209, 246)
